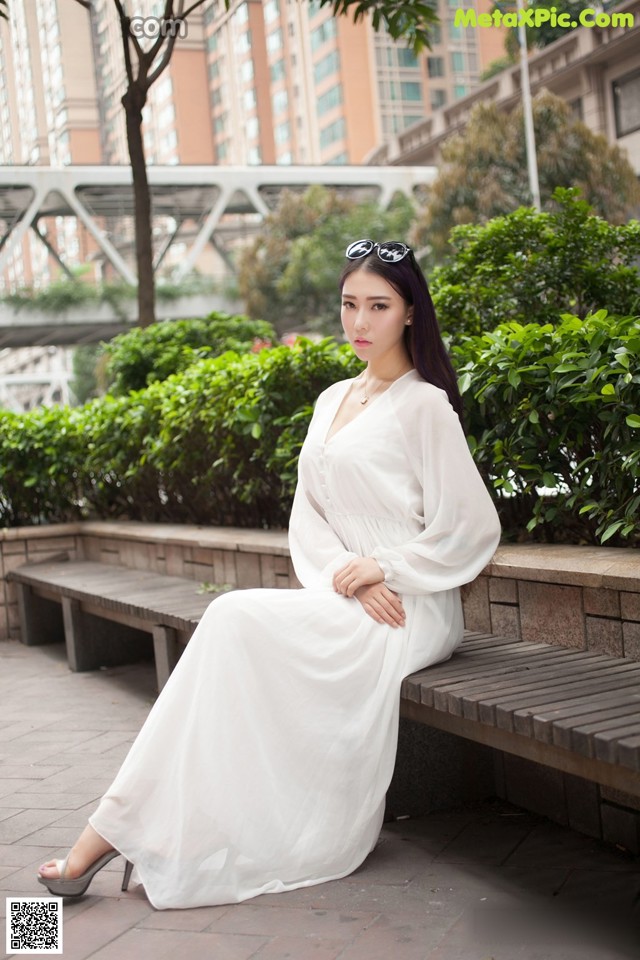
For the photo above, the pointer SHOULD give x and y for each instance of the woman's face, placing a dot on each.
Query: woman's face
(374, 316)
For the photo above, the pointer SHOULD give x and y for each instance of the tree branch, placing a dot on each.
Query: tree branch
(164, 63)
(155, 48)
(194, 6)
(125, 30)
(178, 18)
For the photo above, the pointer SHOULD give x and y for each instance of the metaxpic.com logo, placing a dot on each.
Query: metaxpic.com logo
(540, 16)
(150, 28)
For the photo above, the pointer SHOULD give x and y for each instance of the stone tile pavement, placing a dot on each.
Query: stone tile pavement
(490, 882)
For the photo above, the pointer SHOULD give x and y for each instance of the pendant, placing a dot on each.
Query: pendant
(364, 400)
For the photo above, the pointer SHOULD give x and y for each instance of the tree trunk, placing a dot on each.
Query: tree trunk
(133, 101)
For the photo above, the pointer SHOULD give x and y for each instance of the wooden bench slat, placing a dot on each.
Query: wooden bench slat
(629, 752)
(483, 705)
(502, 712)
(585, 739)
(483, 699)
(169, 608)
(546, 720)
(620, 706)
(135, 593)
(468, 666)
(523, 671)
(606, 742)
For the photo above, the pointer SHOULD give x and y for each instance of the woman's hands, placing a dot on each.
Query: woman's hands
(362, 578)
(357, 573)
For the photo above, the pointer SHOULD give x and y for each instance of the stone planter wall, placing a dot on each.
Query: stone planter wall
(587, 598)
(241, 558)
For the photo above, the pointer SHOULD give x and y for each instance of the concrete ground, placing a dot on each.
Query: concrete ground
(490, 882)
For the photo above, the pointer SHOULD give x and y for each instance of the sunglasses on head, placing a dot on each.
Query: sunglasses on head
(391, 251)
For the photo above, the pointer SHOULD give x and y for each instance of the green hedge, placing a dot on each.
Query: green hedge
(144, 355)
(553, 413)
(216, 444)
(531, 267)
(552, 410)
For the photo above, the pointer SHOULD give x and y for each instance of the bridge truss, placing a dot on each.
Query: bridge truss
(196, 205)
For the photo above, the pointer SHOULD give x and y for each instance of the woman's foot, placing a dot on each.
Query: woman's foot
(88, 848)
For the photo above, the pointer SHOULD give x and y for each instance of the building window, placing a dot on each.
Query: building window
(242, 14)
(254, 155)
(222, 150)
(457, 62)
(435, 66)
(220, 123)
(390, 125)
(167, 115)
(285, 158)
(274, 41)
(279, 102)
(252, 127)
(334, 132)
(407, 58)
(243, 43)
(576, 108)
(332, 98)
(246, 70)
(325, 67)
(626, 103)
(326, 31)
(271, 11)
(459, 90)
(216, 97)
(249, 98)
(277, 71)
(282, 132)
(340, 158)
(164, 89)
(410, 90)
(212, 42)
(214, 70)
(438, 99)
(410, 118)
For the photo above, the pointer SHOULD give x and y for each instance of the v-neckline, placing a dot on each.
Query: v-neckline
(328, 437)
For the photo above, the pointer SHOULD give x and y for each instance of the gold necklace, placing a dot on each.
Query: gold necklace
(366, 396)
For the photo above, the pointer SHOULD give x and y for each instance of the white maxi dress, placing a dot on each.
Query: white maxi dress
(264, 763)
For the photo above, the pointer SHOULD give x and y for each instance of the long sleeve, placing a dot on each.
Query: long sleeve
(316, 550)
(461, 526)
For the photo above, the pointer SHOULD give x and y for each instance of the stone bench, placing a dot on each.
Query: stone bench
(106, 612)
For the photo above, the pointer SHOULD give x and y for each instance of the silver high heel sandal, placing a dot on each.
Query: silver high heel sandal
(61, 887)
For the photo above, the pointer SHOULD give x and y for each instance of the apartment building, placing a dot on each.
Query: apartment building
(48, 116)
(595, 69)
(290, 83)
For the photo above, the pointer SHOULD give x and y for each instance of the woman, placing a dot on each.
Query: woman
(264, 763)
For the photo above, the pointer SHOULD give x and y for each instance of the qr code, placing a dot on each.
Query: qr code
(34, 925)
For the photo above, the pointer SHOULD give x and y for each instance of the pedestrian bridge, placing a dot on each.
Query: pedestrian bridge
(195, 206)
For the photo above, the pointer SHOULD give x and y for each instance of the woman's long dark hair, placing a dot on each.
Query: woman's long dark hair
(422, 337)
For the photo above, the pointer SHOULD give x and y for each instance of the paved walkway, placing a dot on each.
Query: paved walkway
(485, 883)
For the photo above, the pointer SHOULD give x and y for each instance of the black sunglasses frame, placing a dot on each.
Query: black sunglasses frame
(362, 248)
